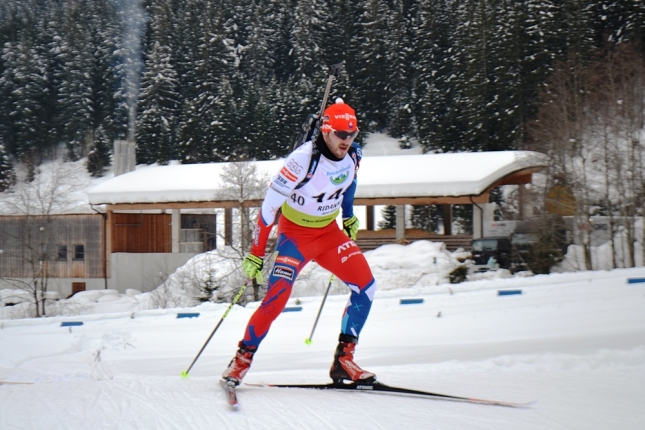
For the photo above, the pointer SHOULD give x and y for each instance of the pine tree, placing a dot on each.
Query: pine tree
(400, 77)
(622, 21)
(158, 108)
(28, 120)
(475, 73)
(209, 112)
(131, 20)
(427, 217)
(7, 96)
(437, 100)
(98, 158)
(7, 174)
(26, 106)
(282, 50)
(373, 93)
(254, 52)
(286, 117)
(76, 93)
(537, 56)
(307, 38)
(389, 217)
(104, 32)
(575, 34)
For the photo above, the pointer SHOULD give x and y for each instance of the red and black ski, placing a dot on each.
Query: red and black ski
(377, 387)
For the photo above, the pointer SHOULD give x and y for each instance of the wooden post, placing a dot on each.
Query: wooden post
(369, 211)
(400, 222)
(477, 221)
(176, 229)
(228, 226)
(447, 219)
(107, 249)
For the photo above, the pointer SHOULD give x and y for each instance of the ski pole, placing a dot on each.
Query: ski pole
(184, 373)
(308, 341)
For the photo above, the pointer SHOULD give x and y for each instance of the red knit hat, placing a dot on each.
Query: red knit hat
(339, 116)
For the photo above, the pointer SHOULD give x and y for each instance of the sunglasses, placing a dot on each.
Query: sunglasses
(345, 134)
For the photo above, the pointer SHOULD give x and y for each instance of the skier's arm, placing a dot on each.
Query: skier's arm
(282, 185)
(348, 197)
(348, 200)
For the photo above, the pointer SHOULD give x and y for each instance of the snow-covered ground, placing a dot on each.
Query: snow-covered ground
(573, 342)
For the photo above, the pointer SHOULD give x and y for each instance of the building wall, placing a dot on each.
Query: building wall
(62, 286)
(140, 257)
(144, 272)
(65, 246)
(141, 233)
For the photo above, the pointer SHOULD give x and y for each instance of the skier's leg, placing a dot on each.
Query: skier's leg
(347, 262)
(283, 274)
(344, 259)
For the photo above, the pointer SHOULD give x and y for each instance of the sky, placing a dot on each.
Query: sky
(574, 343)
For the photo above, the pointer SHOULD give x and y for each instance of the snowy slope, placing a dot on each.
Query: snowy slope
(573, 342)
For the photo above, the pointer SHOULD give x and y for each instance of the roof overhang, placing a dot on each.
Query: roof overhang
(454, 178)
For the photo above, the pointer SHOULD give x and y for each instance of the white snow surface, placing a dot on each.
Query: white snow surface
(574, 343)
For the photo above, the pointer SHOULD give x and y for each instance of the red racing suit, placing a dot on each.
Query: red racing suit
(307, 230)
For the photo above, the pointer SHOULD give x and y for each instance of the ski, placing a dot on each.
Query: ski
(377, 387)
(230, 389)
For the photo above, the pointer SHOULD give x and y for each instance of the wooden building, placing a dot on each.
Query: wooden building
(146, 223)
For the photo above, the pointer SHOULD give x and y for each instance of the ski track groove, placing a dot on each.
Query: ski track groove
(53, 412)
(314, 412)
(256, 404)
(105, 404)
(130, 402)
(163, 416)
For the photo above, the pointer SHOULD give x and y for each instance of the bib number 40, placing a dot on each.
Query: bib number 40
(300, 200)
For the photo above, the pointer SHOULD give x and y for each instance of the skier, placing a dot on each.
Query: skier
(308, 231)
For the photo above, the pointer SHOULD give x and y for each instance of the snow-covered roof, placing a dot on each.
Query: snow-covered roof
(405, 176)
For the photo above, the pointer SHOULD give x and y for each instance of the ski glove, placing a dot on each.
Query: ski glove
(350, 225)
(252, 267)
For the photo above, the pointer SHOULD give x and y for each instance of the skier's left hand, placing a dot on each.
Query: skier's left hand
(252, 267)
(350, 225)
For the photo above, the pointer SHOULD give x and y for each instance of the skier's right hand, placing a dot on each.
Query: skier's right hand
(252, 267)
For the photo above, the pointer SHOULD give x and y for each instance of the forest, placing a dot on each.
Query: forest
(227, 80)
(213, 80)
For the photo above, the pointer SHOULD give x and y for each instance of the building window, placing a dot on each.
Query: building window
(62, 252)
(79, 252)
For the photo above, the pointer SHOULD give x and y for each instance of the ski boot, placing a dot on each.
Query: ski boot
(240, 364)
(344, 367)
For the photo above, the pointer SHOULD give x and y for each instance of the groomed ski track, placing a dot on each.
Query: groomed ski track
(574, 343)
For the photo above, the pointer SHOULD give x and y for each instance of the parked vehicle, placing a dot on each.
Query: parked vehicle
(536, 245)
(522, 251)
(491, 253)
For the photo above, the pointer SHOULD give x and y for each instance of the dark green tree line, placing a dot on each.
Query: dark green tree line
(226, 80)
